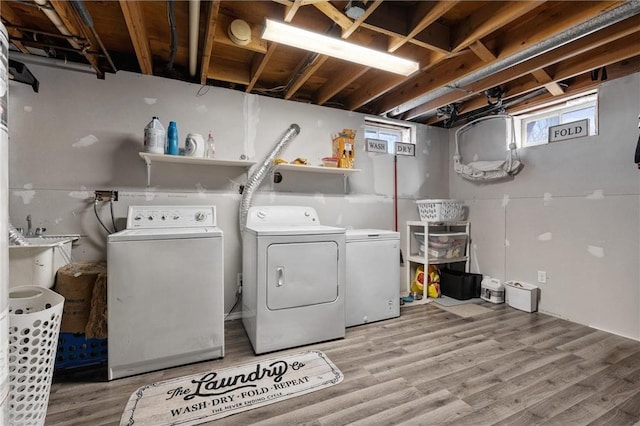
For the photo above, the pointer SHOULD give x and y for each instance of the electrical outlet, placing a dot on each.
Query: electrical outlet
(542, 277)
(104, 195)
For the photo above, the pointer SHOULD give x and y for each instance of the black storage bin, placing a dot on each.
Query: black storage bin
(459, 284)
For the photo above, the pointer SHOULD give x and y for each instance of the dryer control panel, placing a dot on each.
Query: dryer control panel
(282, 215)
(140, 217)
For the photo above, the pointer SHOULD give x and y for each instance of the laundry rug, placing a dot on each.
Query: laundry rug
(466, 310)
(205, 397)
(450, 301)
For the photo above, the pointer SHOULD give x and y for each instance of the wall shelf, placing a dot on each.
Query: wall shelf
(317, 169)
(180, 159)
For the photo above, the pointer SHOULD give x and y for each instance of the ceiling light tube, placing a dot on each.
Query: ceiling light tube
(307, 40)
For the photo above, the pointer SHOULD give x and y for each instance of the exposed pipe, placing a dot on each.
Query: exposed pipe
(626, 10)
(55, 19)
(194, 26)
(88, 21)
(259, 174)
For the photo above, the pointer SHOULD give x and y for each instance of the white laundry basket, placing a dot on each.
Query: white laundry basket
(35, 314)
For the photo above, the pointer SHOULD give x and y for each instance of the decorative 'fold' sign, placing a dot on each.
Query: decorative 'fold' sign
(408, 149)
(576, 129)
(376, 145)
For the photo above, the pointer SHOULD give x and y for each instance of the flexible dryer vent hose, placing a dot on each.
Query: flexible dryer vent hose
(15, 237)
(259, 174)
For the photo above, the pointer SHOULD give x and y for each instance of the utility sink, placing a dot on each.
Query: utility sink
(37, 263)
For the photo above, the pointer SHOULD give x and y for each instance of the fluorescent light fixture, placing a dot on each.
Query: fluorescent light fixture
(307, 40)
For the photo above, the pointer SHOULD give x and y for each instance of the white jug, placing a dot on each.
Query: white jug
(194, 145)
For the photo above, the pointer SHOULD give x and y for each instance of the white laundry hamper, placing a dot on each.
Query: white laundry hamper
(35, 314)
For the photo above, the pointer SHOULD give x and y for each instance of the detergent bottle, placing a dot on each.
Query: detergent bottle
(491, 290)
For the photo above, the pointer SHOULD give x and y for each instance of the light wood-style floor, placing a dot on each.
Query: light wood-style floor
(427, 367)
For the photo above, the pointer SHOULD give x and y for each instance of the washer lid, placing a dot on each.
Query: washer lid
(265, 229)
(165, 234)
(371, 235)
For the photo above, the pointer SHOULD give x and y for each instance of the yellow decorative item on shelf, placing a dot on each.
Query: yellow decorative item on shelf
(344, 148)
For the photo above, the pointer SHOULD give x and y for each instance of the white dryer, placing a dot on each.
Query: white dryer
(165, 289)
(293, 278)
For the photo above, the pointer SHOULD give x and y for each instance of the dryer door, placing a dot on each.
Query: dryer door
(301, 274)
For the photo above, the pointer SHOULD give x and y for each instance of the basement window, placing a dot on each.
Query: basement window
(390, 131)
(532, 128)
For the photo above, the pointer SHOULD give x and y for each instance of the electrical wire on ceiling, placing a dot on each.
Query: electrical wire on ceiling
(174, 35)
(78, 5)
(309, 61)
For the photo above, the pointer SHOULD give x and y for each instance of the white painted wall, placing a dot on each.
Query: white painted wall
(573, 211)
(80, 134)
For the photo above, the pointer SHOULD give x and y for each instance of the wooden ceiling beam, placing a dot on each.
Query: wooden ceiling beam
(358, 22)
(552, 87)
(429, 16)
(488, 19)
(423, 84)
(74, 25)
(10, 17)
(334, 14)
(549, 22)
(258, 66)
(213, 9)
(482, 51)
(307, 71)
(132, 12)
(335, 85)
(578, 84)
(386, 83)
(291, 10)
(582, 83)
(568, 66)
(230, 71)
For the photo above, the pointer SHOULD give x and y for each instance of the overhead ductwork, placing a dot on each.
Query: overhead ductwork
(626, 10)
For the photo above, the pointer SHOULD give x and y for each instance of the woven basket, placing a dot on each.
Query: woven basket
(439, 210)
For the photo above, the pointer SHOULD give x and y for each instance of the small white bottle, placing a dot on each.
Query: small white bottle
(211, 146)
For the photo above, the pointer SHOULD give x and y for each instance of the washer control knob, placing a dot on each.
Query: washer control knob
(138, 217)
(307, 214)
(261, 214)
(150, 217)
(200, 216)
(176, 217)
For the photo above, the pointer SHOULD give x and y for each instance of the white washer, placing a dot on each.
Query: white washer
(373, 276)
(165, 289)
(293, 278)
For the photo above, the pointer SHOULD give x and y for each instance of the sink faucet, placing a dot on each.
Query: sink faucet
(29, 229)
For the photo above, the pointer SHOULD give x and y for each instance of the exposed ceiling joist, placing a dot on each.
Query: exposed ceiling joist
(465, 50)
(132, 12)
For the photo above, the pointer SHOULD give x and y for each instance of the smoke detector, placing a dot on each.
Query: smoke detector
(355, 9)
(240, 32)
